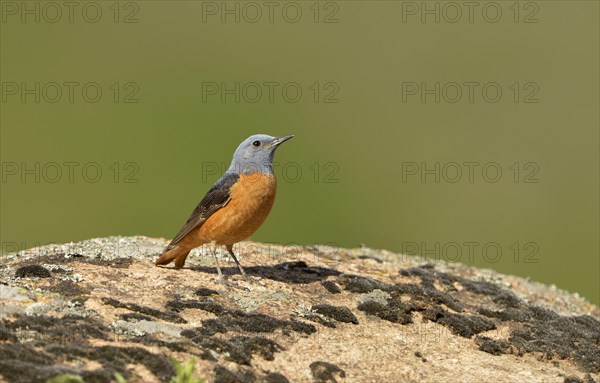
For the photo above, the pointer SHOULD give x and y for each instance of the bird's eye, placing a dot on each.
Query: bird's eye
(256, 143)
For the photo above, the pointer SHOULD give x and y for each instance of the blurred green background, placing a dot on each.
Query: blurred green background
(364, 132)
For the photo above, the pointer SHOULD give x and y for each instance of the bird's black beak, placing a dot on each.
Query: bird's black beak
(281, 140)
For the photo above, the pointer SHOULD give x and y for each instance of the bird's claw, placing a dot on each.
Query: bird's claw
(249, 279)
(225, 281)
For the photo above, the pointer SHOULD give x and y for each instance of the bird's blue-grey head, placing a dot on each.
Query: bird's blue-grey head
(255, 154)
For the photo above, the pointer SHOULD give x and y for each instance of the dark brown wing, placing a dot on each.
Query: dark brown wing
(216, 198)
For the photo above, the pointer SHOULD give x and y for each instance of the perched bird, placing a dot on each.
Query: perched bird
(235, 206)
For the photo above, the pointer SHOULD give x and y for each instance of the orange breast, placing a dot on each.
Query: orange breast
(251, 200)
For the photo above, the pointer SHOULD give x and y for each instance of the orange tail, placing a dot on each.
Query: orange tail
(176, 253)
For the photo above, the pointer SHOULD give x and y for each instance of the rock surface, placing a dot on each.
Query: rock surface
(312, 314)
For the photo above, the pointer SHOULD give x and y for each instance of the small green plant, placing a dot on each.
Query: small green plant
(66, 378)
(184, 372)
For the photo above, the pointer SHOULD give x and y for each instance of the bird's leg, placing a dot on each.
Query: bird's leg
(230, 249)
(222, 277)
(244, 275)
(217, 261)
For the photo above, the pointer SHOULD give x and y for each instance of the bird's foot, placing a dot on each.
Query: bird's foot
(225, 281)
(249, 279)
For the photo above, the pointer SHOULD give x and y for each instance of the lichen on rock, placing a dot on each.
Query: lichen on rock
(100, 307)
